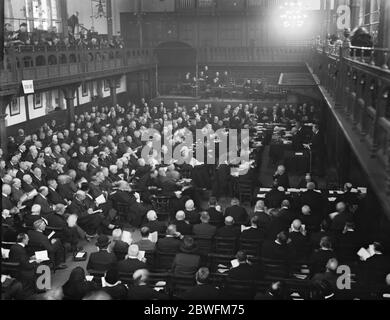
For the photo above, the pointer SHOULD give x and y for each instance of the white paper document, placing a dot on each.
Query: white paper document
(153, 237)
(364, 254)
(100, 200)
(235, 263)
(141, 255)
(5, 253)
(89, 278)
(243, 228)
(126, 237)
(80, 255)
(42, 255)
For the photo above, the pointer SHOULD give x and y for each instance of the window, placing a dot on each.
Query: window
(14, 107)
(369, 16)
(84, 89)
(106, 85)
(37, 101)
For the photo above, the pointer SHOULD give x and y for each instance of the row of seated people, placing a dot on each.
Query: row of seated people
(247, 274)
(293, 243)
(38, 39)
(211, 84)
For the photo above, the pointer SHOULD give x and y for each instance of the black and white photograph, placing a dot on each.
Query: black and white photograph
(196, 157)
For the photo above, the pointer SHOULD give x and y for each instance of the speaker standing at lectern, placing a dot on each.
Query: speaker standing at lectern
(317, 148)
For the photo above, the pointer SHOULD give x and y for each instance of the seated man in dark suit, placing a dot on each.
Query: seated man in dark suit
(119, 247)
(132, 261)
(215, 213)
(113, 286)
(145, 244)
(330, 275)
(204, 229)
(102, 260)
(203, 290)
(245, 271)
(230, 230)
(170, 243)
(276, 249)
(27, 269)
(35, 215)
(305, 180)
(264, 218)
(182, 226)
(310, 220)
(254, 232)
(140, 290)
(340, 218)
(321, 256)
(54, 197)
(237, 212)
(186, 262)
(153, 224)
(41, 199)
(67, 234)
(375, 269)
(348, 243)
(274, 198)
(54, 247)
(313, 199)
(299, 242)
(192, 215)
(281, 177)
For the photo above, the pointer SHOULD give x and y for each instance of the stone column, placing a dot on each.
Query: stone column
(69, 95)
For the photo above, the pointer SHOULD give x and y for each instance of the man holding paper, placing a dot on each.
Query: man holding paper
(54, 247)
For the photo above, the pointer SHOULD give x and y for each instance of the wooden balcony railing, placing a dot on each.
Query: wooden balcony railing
(252, 55)
(214, 6)
(358, 81)
(43, 64)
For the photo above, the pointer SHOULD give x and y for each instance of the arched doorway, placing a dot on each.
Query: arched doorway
(175, 59)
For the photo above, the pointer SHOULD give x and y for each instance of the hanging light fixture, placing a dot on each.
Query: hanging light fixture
(293, 14)
(100, 9)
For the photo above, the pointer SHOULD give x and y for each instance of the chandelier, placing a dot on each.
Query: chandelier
(100, 9)
(293, 14)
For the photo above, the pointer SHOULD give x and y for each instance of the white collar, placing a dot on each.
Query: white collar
(21, 244)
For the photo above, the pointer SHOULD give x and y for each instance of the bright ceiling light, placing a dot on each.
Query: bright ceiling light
(293, 14)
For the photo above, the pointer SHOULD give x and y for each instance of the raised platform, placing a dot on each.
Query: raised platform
(190, 101)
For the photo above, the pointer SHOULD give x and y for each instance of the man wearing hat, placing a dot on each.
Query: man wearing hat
(186, 262)
(102, 260)
(54, 247)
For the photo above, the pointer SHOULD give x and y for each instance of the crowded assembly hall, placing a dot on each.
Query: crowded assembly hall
(195, 150)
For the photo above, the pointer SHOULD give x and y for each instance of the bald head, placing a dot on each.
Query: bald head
(36, 209)
(332, 265)
(6, 189)
(133, 251)
(306, 210)
(151, 215)
(296, 225)
(310, 186)
(340, 207)
(229, 221)
(180, 215)
(285, 203)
